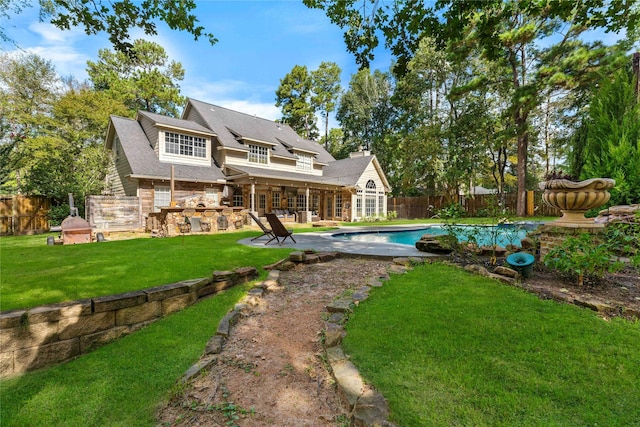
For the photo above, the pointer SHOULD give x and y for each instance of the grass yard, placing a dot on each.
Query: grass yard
(121, 384)
(33, 274)
(449, 348)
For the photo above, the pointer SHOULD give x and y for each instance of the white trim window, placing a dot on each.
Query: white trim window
(338, 204)
(302, 201)
(258, 154)
(238, 200)
(185, 145)
(161, 197)
(275, 200)
(304, 162)
(370, 199)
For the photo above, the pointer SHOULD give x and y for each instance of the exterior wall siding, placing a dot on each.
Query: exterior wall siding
(151, 131)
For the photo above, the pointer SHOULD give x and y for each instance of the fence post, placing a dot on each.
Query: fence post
(530, 203)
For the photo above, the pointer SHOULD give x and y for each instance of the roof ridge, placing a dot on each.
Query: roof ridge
(254, 116)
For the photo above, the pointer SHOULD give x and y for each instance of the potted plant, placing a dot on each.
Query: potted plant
(574, 198)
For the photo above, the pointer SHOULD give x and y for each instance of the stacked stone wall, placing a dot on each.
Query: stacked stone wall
(552, 236)
(44, 336)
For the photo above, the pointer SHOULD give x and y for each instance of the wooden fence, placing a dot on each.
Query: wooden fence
(479, 205)
(24, 215)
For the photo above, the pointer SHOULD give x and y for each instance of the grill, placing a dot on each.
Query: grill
(75, 230)
(223, 222)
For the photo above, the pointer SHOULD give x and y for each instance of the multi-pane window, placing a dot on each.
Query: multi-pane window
(302, 202)
(161, 197)
(358, 213)
(262, 201)
(304, 162)
(315, 202)
(291, 202)
(338, 212)
(380, 204)
(275, 200)
(370, 199)
(329, 205)
(258, 154)
(185, 145)
(238, 200)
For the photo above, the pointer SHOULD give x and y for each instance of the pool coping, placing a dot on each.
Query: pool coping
(324, 241)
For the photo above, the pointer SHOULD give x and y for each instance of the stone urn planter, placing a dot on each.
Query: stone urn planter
(575, 198)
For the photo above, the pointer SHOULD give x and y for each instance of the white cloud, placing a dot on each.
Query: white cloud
(59, 47)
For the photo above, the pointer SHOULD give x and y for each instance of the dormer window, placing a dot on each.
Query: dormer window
(185, 145)
(258, 154)
(304, 162)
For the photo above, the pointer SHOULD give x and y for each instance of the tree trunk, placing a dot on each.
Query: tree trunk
(523, 146)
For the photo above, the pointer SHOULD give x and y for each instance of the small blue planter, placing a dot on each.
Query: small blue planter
(522, 262)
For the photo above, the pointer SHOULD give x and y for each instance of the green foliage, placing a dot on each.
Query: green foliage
(326, 91)
(365, 114)
(452, 211)
(582, 258)
(116, 18)
(623, 239)
(293, 96)
(612, 148)
(145, 80)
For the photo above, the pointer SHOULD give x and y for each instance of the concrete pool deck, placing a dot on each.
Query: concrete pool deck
(324, 241)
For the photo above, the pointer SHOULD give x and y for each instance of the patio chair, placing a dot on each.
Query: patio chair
(265, 231)
(279, 230)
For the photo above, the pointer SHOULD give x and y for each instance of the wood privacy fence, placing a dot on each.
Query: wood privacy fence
(479, 205)
(24, 215)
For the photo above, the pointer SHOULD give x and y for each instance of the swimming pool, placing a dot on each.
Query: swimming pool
(501, 235)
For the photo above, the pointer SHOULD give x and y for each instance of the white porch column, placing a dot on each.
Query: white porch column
(306, 208)
(253, 197)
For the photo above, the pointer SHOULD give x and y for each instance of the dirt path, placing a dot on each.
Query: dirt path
(271, 371)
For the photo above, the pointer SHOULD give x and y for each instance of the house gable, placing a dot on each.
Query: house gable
(177, 141)
(245, 140)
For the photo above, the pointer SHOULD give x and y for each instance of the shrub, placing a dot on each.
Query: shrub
(581, 258)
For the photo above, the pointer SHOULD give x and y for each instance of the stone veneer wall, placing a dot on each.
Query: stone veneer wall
(551, 236)
(43, 336)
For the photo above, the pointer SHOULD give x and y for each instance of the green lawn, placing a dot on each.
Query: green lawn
(121, 384)
(34, 274)
(449, 348)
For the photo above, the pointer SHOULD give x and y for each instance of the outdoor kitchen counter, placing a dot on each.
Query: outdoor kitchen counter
(171, 220)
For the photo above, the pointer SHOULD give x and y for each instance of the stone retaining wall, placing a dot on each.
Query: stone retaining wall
(43, 336)
(551, 236)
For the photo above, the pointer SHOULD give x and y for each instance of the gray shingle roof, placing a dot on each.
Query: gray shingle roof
(176, 123)
(339, 172)
(229, 124)
(144, 162)
(347, 171)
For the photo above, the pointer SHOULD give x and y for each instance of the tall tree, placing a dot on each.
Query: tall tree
(293, 96)
(116, 17)
(326, 92)
(613, 137)
(366, 114)
(505, 31)
(29, 86)
(145, 80)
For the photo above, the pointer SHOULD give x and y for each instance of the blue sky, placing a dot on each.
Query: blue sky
(259, 43)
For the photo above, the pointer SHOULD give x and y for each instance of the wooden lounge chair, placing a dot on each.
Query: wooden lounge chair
(265, 231)
(279, 230)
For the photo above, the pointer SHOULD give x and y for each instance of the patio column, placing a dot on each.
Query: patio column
(253, 197)
(306, 208)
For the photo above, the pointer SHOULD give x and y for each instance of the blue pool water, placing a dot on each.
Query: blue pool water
(502, 235)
